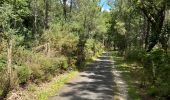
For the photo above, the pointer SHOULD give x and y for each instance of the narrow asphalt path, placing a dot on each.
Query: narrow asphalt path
(95, 83)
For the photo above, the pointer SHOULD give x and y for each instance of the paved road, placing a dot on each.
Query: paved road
(95, 83)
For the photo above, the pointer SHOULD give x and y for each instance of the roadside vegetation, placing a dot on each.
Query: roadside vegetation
(54, 86)
(42, 39)
(140, 33)
(139, 78)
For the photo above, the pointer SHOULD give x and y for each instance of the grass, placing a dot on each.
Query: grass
(128, 74)
(54, 86)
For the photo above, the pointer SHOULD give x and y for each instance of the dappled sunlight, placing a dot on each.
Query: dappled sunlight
(95, 83)
(122, 93)
(120, 48)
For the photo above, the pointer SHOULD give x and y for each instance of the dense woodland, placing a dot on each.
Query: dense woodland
(140, 31)
(40, 39)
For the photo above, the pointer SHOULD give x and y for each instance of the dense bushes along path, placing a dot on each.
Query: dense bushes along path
(100, 81)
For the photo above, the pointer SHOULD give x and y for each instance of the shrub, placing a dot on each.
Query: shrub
(38, 67)
(92, 48)
(24, 73)
(135, 55)
(31, 87)
(64, 64)
(159, 70)
(2, 62)
(5, 87)
(36, 73)
(156, 68)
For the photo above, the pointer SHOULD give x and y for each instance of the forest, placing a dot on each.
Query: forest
(42, 39)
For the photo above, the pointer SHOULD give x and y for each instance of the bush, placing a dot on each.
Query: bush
(37, 73)
(31, 87)
(2, 62)
(156, 68)
(24, 73)
(92, 48)
(135, 55)
(36, 66)
(64, 64)
(89, 49)
(5, 87)
(158, 71)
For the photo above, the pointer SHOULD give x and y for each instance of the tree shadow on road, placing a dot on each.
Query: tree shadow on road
(101, 86)
(97, 82)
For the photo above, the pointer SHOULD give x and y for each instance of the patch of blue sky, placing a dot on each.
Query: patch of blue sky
(104, 5)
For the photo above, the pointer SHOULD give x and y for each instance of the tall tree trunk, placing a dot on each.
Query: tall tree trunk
(156, 30)
(156, 21)
(71, 5)
(147, 34)
(65, 9)
(144, 29)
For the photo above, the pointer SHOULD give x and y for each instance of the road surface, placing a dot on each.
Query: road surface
(98, 82)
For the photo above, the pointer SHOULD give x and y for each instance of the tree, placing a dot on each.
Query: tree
(155, 13)
(7, 14)
(72, 30)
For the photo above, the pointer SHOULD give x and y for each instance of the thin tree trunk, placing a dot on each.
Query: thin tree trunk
(9, 59)
(147, 35)
(65, 9)
(7, 86)
(71, 5)
(144, 30)
(48, 49)
(46, 14)
(35, 17)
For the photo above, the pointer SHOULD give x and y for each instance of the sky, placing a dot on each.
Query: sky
(104, 5)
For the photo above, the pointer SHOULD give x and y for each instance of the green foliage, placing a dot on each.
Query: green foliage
(129, 73)
(132, 33)
(2, 62)
(39, 67)
(156, 70)
(31, 87)
(5, 79)
(135, 55)
(89, 48)
(159, 70)
(24, 73)
(38, 53)
(92, 48)
(64, 65)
